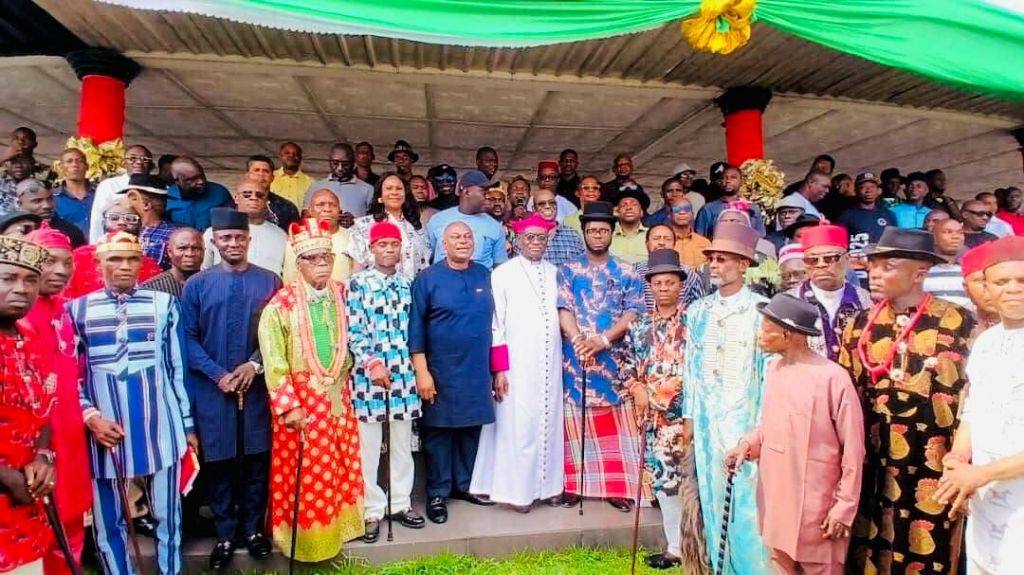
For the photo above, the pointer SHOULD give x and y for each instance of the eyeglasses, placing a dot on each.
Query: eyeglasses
(138, 159)
(678, 209)
(590, 188)
(126, 218)
(546, 204)
(539, 238)
(317, 259)
(598, 232)
(822, 260)
(979, 214)
(253, 194)
(799, 275)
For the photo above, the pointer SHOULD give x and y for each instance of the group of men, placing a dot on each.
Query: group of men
(604, 350)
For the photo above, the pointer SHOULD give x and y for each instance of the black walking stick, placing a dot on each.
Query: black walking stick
(295, 508)
(727, 517)
(639, 489)
(62, 537)
(122, 488)
(583, 435)
(387, 458)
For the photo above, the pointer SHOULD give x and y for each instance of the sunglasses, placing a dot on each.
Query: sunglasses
(317, 259)
(823, 260)
(445, 178)
(253, 195)
(721, 259)
(680, 209)
(539, 238)
(591, 188)
(979, 214)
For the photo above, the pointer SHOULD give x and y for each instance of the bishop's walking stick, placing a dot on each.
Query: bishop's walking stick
(296, 502)
(726, 518)
(387, 458)
(583, 435)
(639, 488)
(62, 537)
(122, 491)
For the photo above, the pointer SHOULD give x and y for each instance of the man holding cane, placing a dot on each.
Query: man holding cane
(384, 383)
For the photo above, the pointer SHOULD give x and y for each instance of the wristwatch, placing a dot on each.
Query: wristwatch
(258, 367)
(46, 454)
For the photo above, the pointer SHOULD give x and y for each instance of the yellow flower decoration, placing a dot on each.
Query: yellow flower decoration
(104, 160)
(763, 184)
(721, 26)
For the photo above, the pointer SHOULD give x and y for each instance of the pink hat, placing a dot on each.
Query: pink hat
(49, 238)
(532, 221)
(381, 230)
(790, 252)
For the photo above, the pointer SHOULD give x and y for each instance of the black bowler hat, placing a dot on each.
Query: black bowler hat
(228, 219)
(636, 194)
(664, 261)
(907, 244)
(804, 221)
(792, 313)
(403, 146)
(597, 212)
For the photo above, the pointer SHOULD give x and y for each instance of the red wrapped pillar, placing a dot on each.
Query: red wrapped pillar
(105, 76)
(743, 108)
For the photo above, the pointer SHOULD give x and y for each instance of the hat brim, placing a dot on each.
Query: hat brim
(147, 189)
(790, 230)
(605, 219)
(665, 269)
(412, 155)
(720, 250)
(918, 255)
(786, 324)
(642, 198)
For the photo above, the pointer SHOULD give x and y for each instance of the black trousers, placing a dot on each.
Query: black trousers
(238, 497)
(450, 453)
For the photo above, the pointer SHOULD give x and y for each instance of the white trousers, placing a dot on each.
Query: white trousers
(371, 435)
(672, 522)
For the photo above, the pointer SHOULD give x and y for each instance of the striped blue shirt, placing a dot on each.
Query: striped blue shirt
(133, 374)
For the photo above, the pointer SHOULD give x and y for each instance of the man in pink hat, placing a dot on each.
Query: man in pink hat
(723, 370)
(520, 456)
(826, 287)
(986, 463)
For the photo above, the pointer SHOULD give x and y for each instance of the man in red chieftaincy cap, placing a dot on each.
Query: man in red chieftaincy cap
(826, 287)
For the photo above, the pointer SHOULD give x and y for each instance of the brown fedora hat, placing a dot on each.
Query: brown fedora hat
(735, 239)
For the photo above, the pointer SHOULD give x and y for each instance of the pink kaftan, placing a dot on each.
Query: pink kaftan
(810, 443)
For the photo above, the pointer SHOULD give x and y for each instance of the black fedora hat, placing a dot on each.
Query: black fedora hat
(907, 244)
(403, 146)
(636, 194)
(597, 212)
(804, 221)
(664, 261)
(792, 313)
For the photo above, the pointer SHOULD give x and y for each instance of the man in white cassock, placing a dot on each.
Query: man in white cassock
(520, 456)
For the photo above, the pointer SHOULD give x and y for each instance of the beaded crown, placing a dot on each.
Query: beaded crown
(308, 235)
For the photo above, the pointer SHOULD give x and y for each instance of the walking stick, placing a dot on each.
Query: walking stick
(583, 436)
(387, 458)
(639, 489)
(62, 537)
(296, 502)
(122, 488)
(727, 517)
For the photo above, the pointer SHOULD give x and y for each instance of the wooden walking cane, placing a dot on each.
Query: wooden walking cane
(639, 489)
(387, 459)
(583, 436)
(296, 502)
(62, 537)
(122, 488)
(727, 517)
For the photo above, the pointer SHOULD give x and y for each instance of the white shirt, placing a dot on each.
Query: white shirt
(266, 247)
(106, 191)
(830, 300)
(565, 207)
(995, 410)
(806, 204)
(995, 226)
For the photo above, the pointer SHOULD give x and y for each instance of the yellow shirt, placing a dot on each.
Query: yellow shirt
(342, 263)
(292, 188)
(573, 221)
(691, 250)
(632, 249)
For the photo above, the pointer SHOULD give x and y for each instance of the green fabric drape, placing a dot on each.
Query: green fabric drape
(975, 44)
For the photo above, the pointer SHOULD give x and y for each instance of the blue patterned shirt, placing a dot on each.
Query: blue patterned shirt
(154, 243)
(564, 246)
(598, 296)
(378, 307)
(131, 349)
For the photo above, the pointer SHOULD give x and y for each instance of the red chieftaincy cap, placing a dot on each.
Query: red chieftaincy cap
(1007, 249)
(974, 259)
(382, 230)
(825, 235)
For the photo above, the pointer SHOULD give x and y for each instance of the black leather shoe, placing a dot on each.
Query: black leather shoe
(259, 545)
(145, 526)
(662, 561)
(410, 519)
(623, 505)
(469, 497)
(372, 533)
(222, 553)
(437, 510)
(570, 500)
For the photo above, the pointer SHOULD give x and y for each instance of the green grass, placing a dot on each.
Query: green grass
(575, 561)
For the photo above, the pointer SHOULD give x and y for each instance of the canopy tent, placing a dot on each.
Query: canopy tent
(967, 43)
